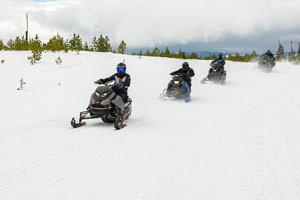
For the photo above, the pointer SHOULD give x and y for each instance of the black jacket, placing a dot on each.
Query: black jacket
(125, 78)
(270, 55)
(186, 73)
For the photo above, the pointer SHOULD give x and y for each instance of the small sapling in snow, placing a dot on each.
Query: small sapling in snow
(58, 60)
(21, 84)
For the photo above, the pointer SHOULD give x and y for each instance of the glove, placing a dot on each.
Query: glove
(120, 85)
(99, 81)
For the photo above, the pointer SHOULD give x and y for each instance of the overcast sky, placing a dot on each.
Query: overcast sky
(193, 25)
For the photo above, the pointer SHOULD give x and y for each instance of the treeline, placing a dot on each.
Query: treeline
(102, 44)
(183, 55)
(58, 43)
(291, 56)
(156, 52)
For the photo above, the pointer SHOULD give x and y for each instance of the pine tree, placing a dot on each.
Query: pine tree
(1, 45)
(76, 43)
(55, 43)
(166, 53)
(107, 45)
(181, 54)
(36, 49)
(193, 56)
(122, 47)
(253, 54)
(101, 44)
(147, 53)
(24, 43)
(280, 52)
(155, 51)
(10, 45)
(66, 46)
(86, 47)
(94, 43)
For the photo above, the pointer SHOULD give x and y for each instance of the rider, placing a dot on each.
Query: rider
(186, 72)
(218, 66)
(122, 80)
(269, 54)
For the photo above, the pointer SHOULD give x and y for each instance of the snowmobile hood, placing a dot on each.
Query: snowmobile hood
(102, 92)
(177, 78)
(102, 89)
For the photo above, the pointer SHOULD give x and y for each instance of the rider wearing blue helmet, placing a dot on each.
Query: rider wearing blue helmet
(122, 80)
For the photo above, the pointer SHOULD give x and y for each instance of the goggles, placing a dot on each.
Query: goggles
(121, 69)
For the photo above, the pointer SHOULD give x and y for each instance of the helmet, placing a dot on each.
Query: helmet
(121, 68)
(268, 52)
(220, 55)
(185, 65)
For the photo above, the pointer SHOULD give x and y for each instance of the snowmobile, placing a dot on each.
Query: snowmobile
(107, 105)
(266, 63)
(177, 88)
(215, 75)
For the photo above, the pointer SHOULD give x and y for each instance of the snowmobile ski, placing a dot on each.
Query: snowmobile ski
(76, 125)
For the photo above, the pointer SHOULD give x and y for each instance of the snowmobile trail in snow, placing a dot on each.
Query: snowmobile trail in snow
(237, 141)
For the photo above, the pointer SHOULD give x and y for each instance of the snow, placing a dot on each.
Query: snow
(238, 141)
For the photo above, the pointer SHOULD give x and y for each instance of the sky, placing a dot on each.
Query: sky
(192, 25)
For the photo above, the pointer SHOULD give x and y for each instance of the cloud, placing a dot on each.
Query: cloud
(147, 23)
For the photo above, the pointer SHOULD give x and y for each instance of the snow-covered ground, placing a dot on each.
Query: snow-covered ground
(238, 141)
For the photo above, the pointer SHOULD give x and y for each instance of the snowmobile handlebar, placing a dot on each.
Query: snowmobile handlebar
(106, 84)
(111, 84)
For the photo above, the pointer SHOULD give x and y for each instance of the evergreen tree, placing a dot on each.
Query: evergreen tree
(10, 45)
(66, 46)
(292, 56)
(20, 44)
(35, 44)
(76, 43)
(1, 45)
(24, 43)
(86, 47)
(36, 49)
(155, 51)
(253, 55)
(122, 47)
(181, 54)
(101, 44)
(94, 44)
(107, 46)
(193, 56)
(55, 43)
(147, 53)
(166, 53)
(280, 52)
